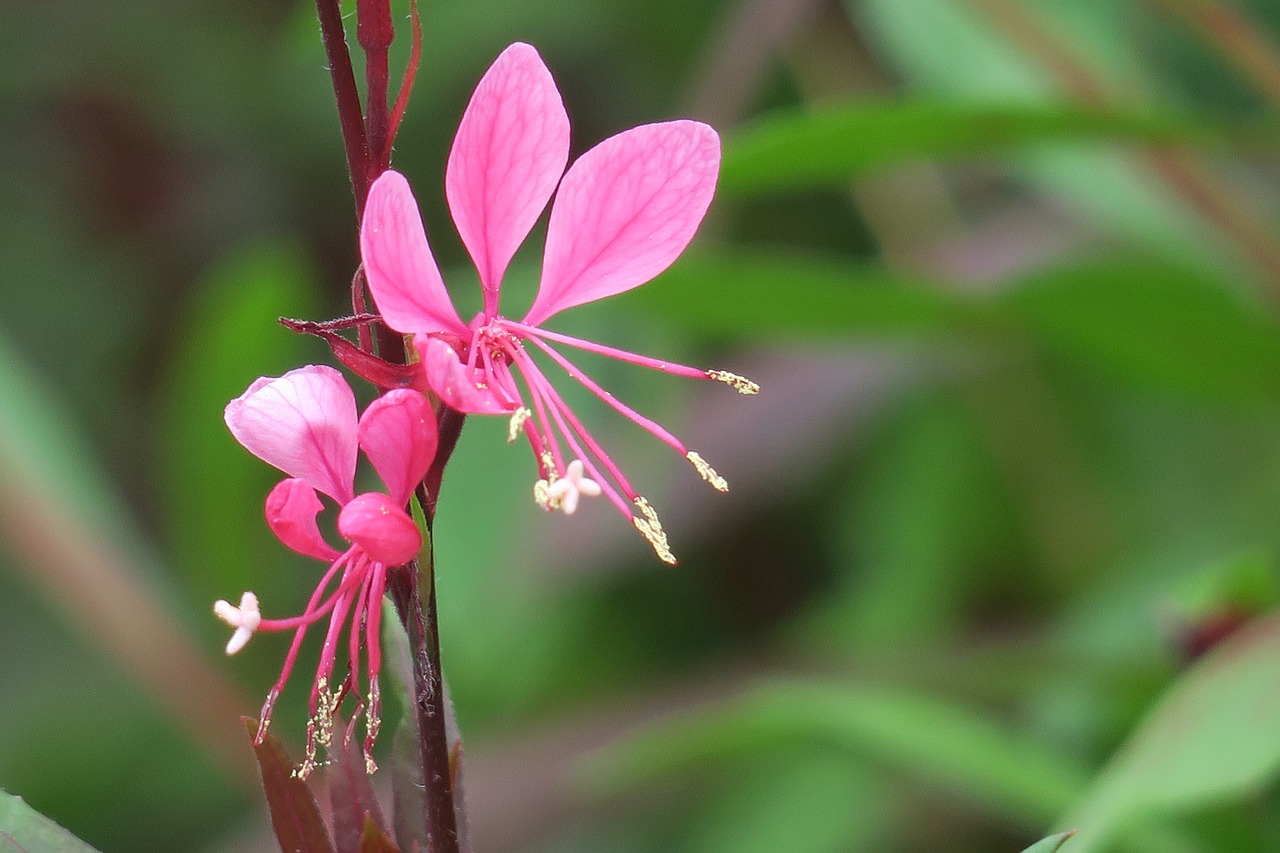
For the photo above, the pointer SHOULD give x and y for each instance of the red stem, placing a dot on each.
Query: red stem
(375, 32)
(348, 98)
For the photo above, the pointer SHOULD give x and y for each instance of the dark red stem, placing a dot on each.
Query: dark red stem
(375, 32)
(348, 98)
(428, 692)
(448, 429)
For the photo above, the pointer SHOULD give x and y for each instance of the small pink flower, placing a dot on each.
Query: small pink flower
(623, 213)
(304, 423)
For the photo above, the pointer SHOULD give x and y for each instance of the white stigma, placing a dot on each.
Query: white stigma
(245, 619)
(565, 491)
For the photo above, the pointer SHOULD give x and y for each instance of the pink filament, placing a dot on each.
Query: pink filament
(626, 411)
(611, 352)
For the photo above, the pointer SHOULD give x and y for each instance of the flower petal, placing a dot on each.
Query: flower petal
(507, 158)
(292, 508)
(402, 273)
(468, 391)
(625, 210)
(398, 434)
(303, 423)
(381, 528)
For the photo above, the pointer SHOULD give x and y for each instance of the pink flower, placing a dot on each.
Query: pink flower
(623, 213)
(304, 423)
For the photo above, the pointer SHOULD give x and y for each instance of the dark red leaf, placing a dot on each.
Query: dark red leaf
(351, 794)
(295, 817)
(367, 366)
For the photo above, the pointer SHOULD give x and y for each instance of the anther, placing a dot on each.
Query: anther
(707, 472)
(518, 418)
(741, 384)
(651, 529)
(542, 495)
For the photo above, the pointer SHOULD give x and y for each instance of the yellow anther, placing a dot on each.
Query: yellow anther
(542, 495)
(741, 384)
(518, 418)
(651, 529)
(707, 472)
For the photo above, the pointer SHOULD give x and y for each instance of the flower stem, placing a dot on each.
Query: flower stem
(348, 98)
(428, 694)
(375, 32)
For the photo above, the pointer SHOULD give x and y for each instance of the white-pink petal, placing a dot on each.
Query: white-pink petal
(303, 423)
(398, 434)
(291, 511)
(381, 528)
(465, 390)
(510, 151)
(625, 210)
(398, 264)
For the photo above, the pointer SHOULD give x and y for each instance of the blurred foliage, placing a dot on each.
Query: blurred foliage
(1001, 555)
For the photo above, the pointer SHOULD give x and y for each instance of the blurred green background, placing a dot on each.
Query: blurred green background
(1002, 544)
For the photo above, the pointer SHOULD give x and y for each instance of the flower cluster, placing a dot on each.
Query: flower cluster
(622, 214)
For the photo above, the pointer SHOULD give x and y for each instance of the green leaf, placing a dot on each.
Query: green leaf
(1164, 326)
(295, 816)
(954, 49)
(833, 145)
(374, 840)
(934, 740)
(212, 487)
(775, 293)
(24, 830)
(1051, 844)
(1213, 736)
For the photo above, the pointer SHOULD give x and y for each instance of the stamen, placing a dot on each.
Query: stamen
(264, 716)
(373, 722)
(542, 495)
(741, 384)
(518, 418)
(651, 529)
(708, 473)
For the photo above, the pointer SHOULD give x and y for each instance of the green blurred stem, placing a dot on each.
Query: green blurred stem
(1232, 214)
(1236, 37)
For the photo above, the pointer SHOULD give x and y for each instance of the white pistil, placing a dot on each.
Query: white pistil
(245, 619)
(707, 472)
(565, 492)
(741, 384)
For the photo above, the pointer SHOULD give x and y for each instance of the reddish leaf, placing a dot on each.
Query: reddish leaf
(295, 817)
(369, 367)
(374, 840)
(351, 794)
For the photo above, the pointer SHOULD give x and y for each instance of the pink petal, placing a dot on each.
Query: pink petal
(626, 209)
(398, 434)
(379, 526)
(292, 508)
(402, 273)
(469, 391)
(303, 423)
(507, 158)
